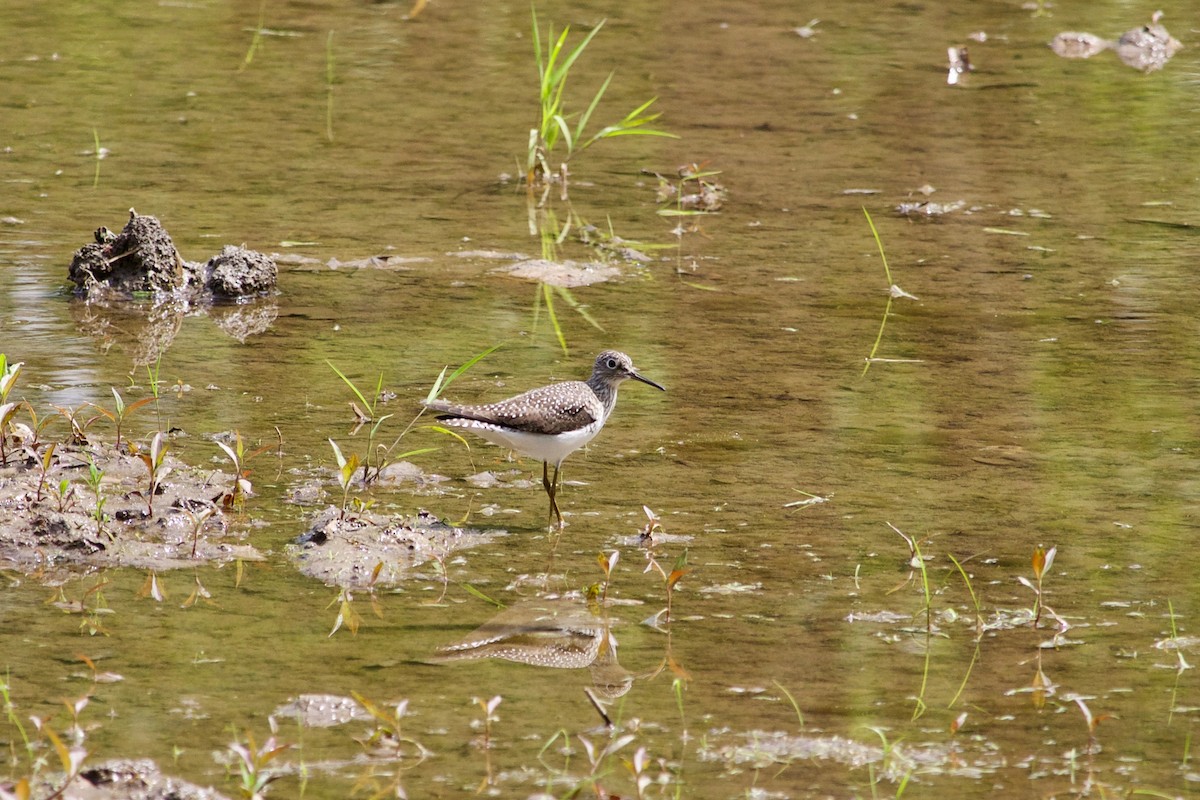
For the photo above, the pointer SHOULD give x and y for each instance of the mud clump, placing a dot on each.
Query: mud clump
(237, 272)
(363, 550)
(1148, 47)
(142, 259)
(135, 289)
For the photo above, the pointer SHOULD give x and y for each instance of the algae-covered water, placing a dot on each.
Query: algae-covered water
(1034, 384)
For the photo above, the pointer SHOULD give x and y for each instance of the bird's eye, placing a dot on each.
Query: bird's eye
(611, 363)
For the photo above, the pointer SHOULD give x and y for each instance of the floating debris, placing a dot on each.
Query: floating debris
(960, 64)
(807, 31)
(927, 209)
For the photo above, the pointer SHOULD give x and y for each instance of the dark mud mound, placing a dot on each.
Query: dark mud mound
(142, 260)
(237, 272)
(136, 289)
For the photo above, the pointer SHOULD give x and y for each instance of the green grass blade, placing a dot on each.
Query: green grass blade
(577, 306)
(443, 380)
(583, 121)
(548, 296)
(367, 406)
(878, 244)
(471, 590)
(560, 74)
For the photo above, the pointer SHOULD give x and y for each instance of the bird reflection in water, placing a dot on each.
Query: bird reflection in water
(558, 632)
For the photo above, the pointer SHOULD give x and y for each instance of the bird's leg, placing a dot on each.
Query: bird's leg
(552, 492)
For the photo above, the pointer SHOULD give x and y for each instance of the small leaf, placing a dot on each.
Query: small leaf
(1050, 558)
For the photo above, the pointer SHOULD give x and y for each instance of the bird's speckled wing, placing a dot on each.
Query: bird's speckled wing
(556, 408)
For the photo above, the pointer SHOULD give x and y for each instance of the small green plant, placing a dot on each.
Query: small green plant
(152, 374)
(389, 731)
(916, 562)
(894, 292)
(235, 495)
(121, 411)
(69, 747)
(891, 761)
(78, 428)
(64, 494)
(554, 67)
(607, 565)
(369, 412)
(256, 40)
(253, 763)
(1042, 561)
(45, 462)
(678, 569)
(155, 461)
(345, 475)
(8, 379)
(37, 425)
(791, 700)
(198, 521)
(95, 478)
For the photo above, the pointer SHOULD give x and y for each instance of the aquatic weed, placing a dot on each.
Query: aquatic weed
(235, 495)
(94, 479)
(155, 461)
(1042, 560)
(120, 412)
(69, 747)
(253, 763)
(347, 466)
(554, 67)
(894, 292)
(8, 379)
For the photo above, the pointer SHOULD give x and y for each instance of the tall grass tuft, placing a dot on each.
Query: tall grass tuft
(554, 64)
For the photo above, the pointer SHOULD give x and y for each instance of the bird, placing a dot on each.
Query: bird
(550, 422)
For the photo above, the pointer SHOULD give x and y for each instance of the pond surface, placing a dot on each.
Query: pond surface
(1039, 388)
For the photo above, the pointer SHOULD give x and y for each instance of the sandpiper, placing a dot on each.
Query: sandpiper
(550, 422)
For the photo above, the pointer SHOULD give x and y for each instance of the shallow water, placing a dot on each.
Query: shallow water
(1042, 390)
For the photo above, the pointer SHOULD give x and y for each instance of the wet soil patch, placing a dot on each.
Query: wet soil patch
(91, 508)
(360, 550)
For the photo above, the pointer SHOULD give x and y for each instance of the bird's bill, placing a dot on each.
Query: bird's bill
(637, 377)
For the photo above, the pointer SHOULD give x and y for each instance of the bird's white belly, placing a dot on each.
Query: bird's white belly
(552, 449)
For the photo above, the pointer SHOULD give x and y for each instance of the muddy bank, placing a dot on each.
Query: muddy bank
(67, 508)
